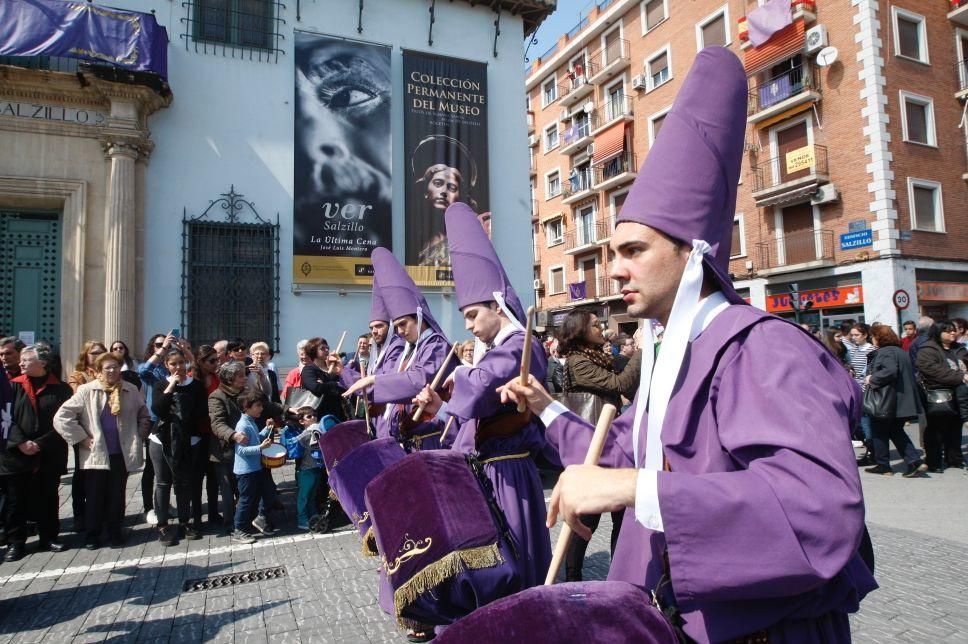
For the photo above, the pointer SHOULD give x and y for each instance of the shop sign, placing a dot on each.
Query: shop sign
(42, 112)
(825, 298)
(942, 292)
(799, 159)
(856, 225)
(859, 239)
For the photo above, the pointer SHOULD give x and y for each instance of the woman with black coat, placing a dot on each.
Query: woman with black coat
(321, 378)
(35, 456)
(891, 373)
(181, 404)
(941, 362)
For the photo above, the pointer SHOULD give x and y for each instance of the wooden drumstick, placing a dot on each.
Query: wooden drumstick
(526, 357)
(591, 458)
(339, 345)
(366, 411)
(450, 421)
(436, 381)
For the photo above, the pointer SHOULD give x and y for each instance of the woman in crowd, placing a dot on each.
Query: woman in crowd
(129, 369)
(294, 377)
(321, 377)
(35, 456)
(891, 372)
(261, 378)
(179, 403)
(941, 365)
(206, 370)
(108, 420)
(467, 353)
(588, 368)
(858, 347)
(83, 373)
(152, 371)
(833, 340)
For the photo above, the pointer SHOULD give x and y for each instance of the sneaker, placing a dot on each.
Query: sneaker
(151, 518)
(303, 526)
(190, 532)
(262, 524)
(242, 538)
(917, 468)
(880, 469)
(167, 535)
(866, 459)
(858, 444)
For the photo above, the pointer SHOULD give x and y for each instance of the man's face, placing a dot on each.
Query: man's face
(648, 266)
(443, 189)
(910, 330)
(406, 328)
(10, 357)
(628, 348)
(378, 331)
(482, 321)
(363, 346)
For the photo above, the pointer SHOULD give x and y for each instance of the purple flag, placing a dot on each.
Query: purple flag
(767, 20)
(577, 291)
(83, 30)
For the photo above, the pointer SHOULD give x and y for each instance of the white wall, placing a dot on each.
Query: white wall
(231, 122)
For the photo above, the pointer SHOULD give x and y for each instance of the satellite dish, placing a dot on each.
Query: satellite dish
(827, 56)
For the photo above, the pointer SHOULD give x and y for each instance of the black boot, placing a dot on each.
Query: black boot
(15, 552)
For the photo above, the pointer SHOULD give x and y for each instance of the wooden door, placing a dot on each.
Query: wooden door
(588, 273)
(789, 140)
(799, 239)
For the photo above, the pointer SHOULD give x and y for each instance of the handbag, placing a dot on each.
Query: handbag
(584, 404)
(939, 402)
(880, 402)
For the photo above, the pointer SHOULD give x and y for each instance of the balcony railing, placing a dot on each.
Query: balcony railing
(588, 233)
(615, 107)
(48, 63)
(575, 87)
(802, 78)
(576, 183)
(607, 287)
(576, 132)
(797, 248)
(774, 172)
(613, 56)
(614, 168)
(961, 74)
(530, 122)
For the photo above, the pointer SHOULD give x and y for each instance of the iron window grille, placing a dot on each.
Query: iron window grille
(250, 28)
(230, 273)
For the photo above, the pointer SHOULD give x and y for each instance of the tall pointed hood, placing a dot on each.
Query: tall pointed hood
(478, 273)
(378, 308)
(687, 185)
(398, 291)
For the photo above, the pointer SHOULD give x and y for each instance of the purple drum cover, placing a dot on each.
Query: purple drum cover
(578, 612)
(439, 542)
(340, 440)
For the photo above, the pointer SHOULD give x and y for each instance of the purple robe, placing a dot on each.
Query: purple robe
(517, 486)
(762, 509)
(387, 363)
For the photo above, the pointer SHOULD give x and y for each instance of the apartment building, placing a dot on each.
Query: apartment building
(853, 182)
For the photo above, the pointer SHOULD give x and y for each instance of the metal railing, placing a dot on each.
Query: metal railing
(961, 73)
(801, 78)
(576, 132)
(615, 50)
(769, 173)
(796, 248)
(530, 116)
(572, 82)
(613, 167)
(607, 286)
(588, 233)
(47, 63)
(576, 183)
(614, 108)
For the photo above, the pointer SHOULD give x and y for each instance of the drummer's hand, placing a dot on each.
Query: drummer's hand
(240, 438)
(534, 393)
(362, 383)
(266, 443)
(449, 382)
(429, 399)
(333, 364)
(589, 489)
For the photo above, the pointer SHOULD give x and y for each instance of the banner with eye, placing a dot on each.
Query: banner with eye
(342, 147)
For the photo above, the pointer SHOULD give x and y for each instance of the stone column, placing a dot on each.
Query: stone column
(119, 244)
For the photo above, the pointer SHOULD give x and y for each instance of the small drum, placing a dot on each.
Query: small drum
(576, 612)
(342, 439)
(274, 456)
(443, 541)
(348, 480)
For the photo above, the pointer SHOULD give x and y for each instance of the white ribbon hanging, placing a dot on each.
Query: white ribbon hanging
(502, 304)
(655, 389)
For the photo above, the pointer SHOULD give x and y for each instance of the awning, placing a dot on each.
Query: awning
(609, 143)
(127, 39)
(782, 116)
(554, 215)
(784, 44)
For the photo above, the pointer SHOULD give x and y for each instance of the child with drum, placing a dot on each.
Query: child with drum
(253, 479)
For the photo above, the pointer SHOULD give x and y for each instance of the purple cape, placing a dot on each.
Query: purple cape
(762, 509)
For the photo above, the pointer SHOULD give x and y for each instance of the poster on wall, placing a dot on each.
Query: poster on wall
(445, 146)
(342, 191)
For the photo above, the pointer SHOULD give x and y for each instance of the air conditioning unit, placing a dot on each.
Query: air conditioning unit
(589, 107)
(816, 38)
(564, 116)
(532, 140)
(638, 82)
(825, 194)
(538, 285)
(590, 150)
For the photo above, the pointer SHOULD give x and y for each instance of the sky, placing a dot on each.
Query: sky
(565, 17)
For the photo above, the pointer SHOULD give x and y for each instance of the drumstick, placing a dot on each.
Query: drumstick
(526, 357)
(436, 381)
(339, 345)
(591, 458)
(450, 421)
(366, 411)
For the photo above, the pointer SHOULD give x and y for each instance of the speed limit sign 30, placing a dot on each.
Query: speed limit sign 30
(901, 299)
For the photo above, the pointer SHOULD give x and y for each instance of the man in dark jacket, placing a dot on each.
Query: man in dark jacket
(924, 328)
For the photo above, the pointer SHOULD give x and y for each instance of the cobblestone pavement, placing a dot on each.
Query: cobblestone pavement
(135, 593)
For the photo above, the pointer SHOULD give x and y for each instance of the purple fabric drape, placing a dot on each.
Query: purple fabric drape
(83, 30)
(765, 21)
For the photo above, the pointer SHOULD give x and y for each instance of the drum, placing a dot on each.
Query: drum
(349, 477)
(579, 612)
(342, 439)
(443, 540)
(274, 456)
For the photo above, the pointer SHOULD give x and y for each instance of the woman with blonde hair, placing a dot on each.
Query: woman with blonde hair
(84, 370)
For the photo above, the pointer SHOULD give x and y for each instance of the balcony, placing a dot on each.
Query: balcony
(534, 210)
(576, 137)
(790, 177)
(616, 109)
(577, 187)
(46, 63)
(608, 61)
(778, 94)
(588, 235)
(533, 171)
(530, 122)
(614, 172)
(796, 251)
(608, 288)
(575, 88)
(959, 12)
(961, 77)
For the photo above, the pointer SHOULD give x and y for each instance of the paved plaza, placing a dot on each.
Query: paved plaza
(136, 593)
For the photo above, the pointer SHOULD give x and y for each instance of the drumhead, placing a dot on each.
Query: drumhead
(274, 451)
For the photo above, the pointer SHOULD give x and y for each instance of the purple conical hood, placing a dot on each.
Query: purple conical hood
(398, 291)
(478, 273)
(378, 308)
(687, 185)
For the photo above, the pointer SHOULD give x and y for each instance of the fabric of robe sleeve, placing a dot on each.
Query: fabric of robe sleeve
(401, 387)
